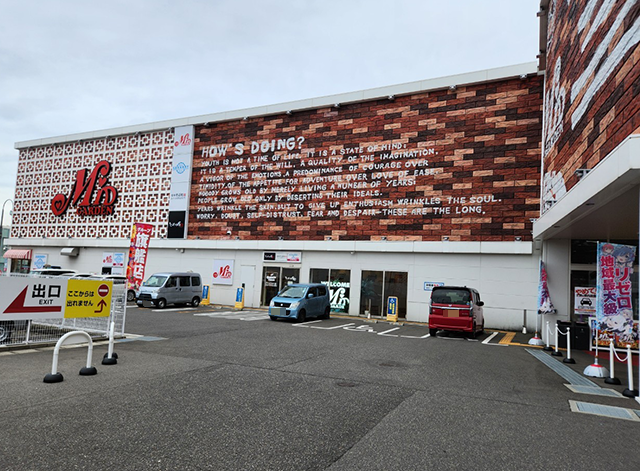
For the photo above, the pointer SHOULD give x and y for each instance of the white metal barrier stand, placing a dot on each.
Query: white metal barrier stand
(556, 353)
(568, 359)
(630, 391)
(77, 336)
(110, 358)
(547, 348)
(611, 379)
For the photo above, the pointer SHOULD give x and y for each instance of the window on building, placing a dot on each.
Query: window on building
(378, 286)
(339, 283)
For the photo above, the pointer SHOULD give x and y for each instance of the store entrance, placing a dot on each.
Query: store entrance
(378, 286)
(276, 278)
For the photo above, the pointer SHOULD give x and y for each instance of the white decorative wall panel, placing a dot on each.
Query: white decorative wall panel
(140, 171)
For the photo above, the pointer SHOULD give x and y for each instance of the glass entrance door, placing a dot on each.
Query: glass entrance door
(376, 288)
(276, 278)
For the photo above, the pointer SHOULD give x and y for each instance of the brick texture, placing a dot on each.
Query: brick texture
(593, 84)
(461, 163)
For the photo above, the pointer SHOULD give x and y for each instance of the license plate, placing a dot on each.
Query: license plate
(453, 313)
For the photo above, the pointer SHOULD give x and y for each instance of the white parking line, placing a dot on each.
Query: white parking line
(304, 324)
(386, 332)
(488, 339)
(331, 328)
(415, 337)
(215, 314)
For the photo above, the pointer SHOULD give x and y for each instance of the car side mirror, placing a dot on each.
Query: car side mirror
(480, 303)
(310, 295)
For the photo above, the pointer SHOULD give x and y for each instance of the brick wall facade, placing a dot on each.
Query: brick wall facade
(592, 87)
(461, 163)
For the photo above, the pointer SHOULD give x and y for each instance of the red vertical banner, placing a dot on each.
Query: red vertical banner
(140, 236)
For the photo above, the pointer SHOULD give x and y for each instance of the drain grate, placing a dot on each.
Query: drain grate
(563, 370)
(594, 391)
(605, 411)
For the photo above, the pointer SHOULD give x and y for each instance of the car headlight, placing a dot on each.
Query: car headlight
(295, 305)
(272, 303)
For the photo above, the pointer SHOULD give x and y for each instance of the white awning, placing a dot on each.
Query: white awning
(22, 254)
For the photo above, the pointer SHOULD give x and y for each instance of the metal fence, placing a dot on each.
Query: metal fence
(48, 331)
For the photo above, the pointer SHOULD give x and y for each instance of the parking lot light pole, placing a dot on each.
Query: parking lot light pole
(2, 227)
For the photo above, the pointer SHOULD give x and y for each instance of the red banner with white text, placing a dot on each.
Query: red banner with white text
(138, 250)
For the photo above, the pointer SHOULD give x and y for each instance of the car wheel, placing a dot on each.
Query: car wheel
(273, 318)
(195, 302)
(161, 303)
(5, 331)
(327, 314)
(482, 328)
(432, 332)
(302, 316)
(131, 296)
(474, 332)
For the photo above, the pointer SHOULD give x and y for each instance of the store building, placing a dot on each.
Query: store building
(591, 145)
(379, 193)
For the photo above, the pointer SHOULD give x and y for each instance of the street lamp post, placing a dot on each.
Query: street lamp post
(2, 228)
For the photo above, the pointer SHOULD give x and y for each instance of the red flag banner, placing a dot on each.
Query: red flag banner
(140, 236)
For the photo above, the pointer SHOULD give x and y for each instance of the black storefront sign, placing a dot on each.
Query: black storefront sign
(177, 224)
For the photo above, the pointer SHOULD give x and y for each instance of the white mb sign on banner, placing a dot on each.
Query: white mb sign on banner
(223, 272)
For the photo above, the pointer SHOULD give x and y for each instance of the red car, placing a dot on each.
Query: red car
(457, 309)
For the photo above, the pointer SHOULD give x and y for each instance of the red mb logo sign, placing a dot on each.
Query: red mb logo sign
(184, 140)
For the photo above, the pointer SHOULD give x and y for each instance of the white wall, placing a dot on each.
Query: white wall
(508, 283)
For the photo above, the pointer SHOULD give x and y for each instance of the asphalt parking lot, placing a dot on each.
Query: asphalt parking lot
(212, 388)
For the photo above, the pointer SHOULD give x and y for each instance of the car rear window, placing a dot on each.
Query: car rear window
(322, 290)
(450, 296)
(185, 281)
(195, 281)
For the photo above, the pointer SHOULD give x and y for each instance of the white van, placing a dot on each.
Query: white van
(161, 289)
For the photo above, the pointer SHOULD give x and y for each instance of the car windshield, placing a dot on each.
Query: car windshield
(450, 296)
(155, 281)
(293, 292)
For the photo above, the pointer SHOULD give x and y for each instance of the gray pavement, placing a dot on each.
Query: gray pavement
(225, 392)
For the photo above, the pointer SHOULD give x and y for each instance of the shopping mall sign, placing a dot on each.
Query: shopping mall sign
(84, 187)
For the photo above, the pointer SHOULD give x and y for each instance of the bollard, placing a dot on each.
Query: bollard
(524, 321)
(110, 358)
(556, 353)
(547, 348)
(54, 376)
(630, 391)
(611, 379)
(569, 359)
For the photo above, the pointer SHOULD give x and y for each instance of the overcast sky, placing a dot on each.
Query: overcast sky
(76, 66)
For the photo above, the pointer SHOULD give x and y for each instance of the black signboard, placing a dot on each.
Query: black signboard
(177, 224)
